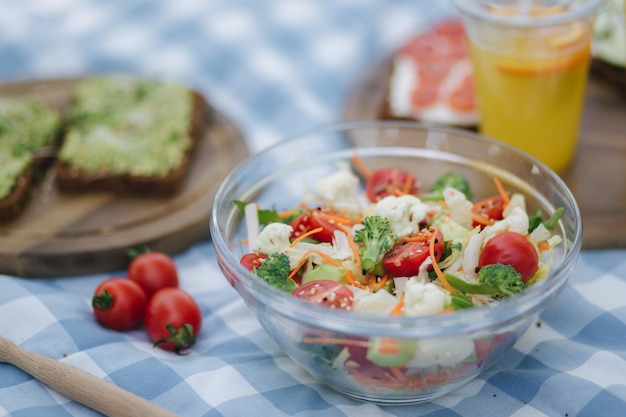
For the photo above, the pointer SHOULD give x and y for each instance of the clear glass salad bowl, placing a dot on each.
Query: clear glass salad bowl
(448, 350)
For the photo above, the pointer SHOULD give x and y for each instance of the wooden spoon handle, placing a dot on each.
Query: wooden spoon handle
(82, 386)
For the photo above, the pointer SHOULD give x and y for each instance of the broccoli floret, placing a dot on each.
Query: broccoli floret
(375, 239)
(275, 270)
(449, 179)
(504, 278)
(497, 280)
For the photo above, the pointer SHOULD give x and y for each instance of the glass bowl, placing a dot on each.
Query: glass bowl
(449, 349)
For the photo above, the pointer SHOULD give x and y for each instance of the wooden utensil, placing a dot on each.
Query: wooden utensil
(80, 385)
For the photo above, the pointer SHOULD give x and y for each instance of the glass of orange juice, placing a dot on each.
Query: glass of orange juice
(531, 59)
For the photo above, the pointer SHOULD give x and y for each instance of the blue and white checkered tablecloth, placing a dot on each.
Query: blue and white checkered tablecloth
(278, 68)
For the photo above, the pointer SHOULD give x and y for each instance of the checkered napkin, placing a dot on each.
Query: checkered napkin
(572, 362)
(278, 68)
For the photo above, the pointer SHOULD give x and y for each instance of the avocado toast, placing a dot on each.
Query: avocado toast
(129, 135)
(27, 129)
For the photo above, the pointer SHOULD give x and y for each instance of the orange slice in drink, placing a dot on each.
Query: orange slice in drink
(573, 34)
(545, 66)
(535, 10)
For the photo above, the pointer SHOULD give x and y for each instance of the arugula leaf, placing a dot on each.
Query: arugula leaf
(266, 216)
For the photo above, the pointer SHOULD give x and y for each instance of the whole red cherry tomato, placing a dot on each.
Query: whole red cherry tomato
(511, 248)
(119, 303)
(153, 271)
(407, 255)
(173, 319)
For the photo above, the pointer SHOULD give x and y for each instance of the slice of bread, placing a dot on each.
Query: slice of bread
(28, 131)
(130, 135)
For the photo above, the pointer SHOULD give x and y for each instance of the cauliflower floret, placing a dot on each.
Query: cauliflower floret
(379, 302)
(423, 298)
(516, 200)
(516, 221)
(273, 238)
(443, 351)
(404, 213)
(340, 189)
(460, 207)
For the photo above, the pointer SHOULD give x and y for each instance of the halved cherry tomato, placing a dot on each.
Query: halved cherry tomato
(406, 256)
(511, 248)
(327, 293)
(173, 319)
(390, 181)
(119, 303)
(313, 219)
(250, 261)
(153, 271)
(488, 210)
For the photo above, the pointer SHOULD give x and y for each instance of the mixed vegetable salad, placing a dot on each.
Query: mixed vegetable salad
(397, 250)
(390, 247)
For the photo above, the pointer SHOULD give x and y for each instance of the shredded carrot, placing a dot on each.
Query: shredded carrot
(388, 346)
(376, 285)
(355, 250)
(408, 183)
(286, 213)
(324, 256)
(335, 218)
(398, 192)
(418, 238)
(245, 242)
(482, 219)
(294, 271)
(359, 163)
(447, 310)
(397, 372)
(543, 245)
(398, 308)
(440, 275)
(502, 192)
(350, 279)
(304, 257)
(304, 236)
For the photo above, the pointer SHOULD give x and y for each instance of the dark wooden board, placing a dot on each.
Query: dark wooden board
(67, 234)
(597, 177)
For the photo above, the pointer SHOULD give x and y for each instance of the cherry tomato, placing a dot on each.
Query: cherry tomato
(251, 261)
(153, 271)
(406, 256)
(510, 248)
(327, 293)
(388, 181)
(173, 319)
(119, 303)
(487, 210)
(313, 219)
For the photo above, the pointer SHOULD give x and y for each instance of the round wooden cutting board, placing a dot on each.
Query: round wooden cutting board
(597, 177)
(71, 234)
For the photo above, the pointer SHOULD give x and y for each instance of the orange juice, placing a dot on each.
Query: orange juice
(533, 103)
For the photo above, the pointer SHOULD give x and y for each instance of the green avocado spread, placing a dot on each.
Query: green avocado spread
(25, 126)
(126, 125)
